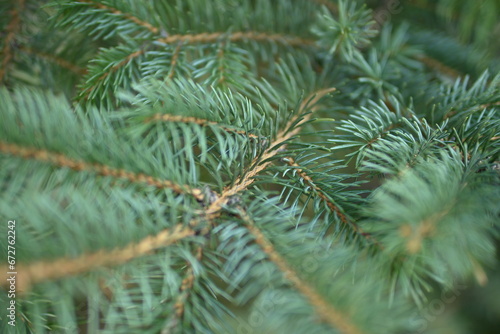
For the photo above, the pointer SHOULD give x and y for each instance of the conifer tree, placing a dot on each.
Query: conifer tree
(249, 166)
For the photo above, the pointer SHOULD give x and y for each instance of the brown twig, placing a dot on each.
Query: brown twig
(57, 60)
(328, 4)
(332, 7)
(11, 29)
(111, 70)
(204, 38)
(220, 57)
(329, 202)
(453, 112)
(439, 66)
(32, 273)
(130, 17)
(199, 121)
(425, 228)
(173, 63)
(236, 37)
(264, 160)
(215, 208)
(185, 290)
(326, 311)
(63, 161)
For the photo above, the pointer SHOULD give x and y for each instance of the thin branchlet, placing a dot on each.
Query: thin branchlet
(330, 203)
(198, 121)
(12, 29)
(326, 312)
(36, 272)
(127, 16)
(62, 161)
(55, 59)
(185, 290)
(174, 61)
(202, 38)
(276, 146)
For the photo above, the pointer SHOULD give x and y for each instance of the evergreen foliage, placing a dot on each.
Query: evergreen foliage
(249, 166)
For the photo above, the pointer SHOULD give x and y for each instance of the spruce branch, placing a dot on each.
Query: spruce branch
(55, 59)
(261, 162)
(464, 98)
(223, 200)
(33, 273)
(236, 36)
(439, 66)
(12, 29)
(438, 48)
(345, 34)
(106, 20)
(201, 183)
(329, 202)
(325, 311)
(215, 208)
(199, 121)
(62, 161)
(425, 206)
(425, 228)
(94, 83)
(369, 125)
(174, 61)
(127, 16)
(99, 77)
(328, 4)
(184, 292)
